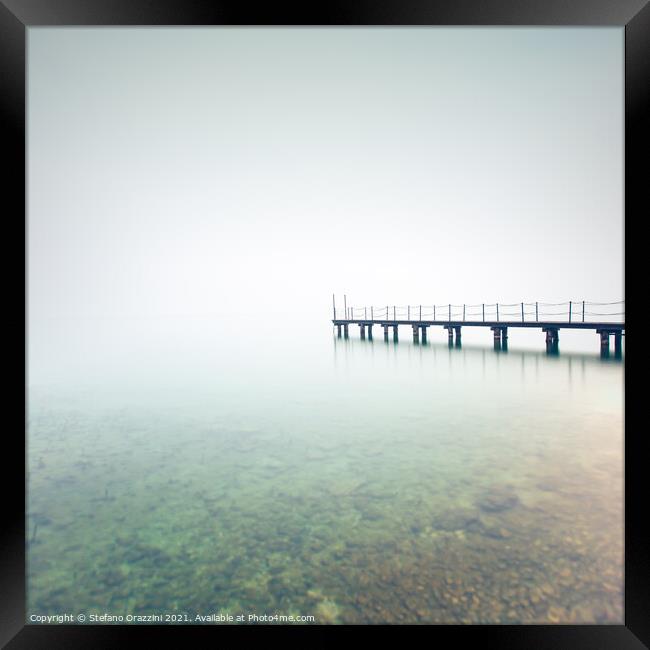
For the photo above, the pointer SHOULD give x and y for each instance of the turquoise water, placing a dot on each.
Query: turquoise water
(349, 481)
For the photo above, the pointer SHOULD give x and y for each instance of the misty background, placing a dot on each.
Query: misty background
(188, 187)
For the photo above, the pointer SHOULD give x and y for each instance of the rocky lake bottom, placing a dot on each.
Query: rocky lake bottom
(479, 516)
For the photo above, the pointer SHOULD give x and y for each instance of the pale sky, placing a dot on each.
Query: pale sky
(219, 171)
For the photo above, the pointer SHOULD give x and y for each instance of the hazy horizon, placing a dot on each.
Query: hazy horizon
(206, 176)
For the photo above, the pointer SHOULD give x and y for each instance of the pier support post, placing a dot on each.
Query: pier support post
(385, 333)
(369, 332)
(497, 337)
(424, 333)
(416, 334)
(450, 332)
(618, 344)
(395, 335)
(457, 336)
(345, 330)
(552, 340)
(362, 328)
(604, 343)
(504, 339)
(338, 330)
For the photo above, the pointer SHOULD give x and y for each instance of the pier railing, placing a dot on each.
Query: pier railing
(572, 311)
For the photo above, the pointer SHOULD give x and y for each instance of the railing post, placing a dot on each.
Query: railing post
(420, 312)
(408, 312)
(365, 313)
(394, 313)
(522, 312)
(345, 306)
(449, 313)
(497, 312)
(570, 305)
(583, 311)
(386, 312)
(483, 306)
(372, 313)
(434, 312)
(463, 313)
(334, 305)
(536, 312)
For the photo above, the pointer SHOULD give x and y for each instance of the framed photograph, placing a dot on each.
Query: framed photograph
(325, 321)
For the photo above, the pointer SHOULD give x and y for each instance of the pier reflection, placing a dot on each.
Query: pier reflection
(500, 346)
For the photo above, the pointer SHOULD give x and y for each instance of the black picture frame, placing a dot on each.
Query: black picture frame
(16, 16)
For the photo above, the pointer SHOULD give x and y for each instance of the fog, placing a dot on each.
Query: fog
(189, 185)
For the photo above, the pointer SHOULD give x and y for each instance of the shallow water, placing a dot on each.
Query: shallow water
(353, 481)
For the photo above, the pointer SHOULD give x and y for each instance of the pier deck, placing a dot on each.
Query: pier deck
(575, 319)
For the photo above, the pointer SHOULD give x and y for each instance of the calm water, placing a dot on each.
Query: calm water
(353, 481)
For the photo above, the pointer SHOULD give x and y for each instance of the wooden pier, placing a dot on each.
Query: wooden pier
(489, 316)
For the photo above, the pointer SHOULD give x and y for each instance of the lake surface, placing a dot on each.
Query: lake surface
(352, 481)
